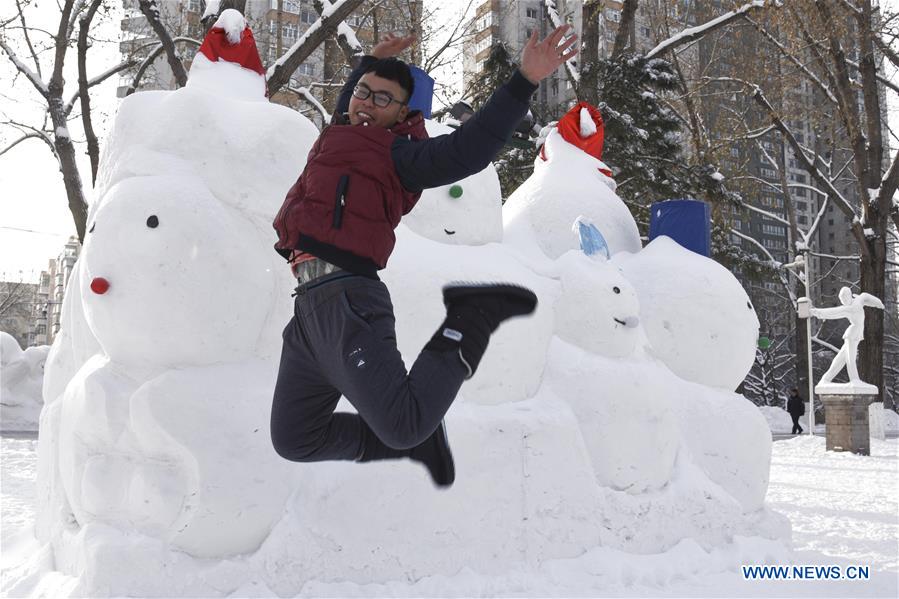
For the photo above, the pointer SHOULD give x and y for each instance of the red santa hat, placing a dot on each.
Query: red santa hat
(231, 40)
(583, 127)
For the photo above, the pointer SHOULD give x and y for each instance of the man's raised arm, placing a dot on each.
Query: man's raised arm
(469, 149)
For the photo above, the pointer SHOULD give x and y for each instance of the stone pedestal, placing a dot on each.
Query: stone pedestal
(846, 415)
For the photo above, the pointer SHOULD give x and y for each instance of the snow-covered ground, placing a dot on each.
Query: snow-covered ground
(843, 509)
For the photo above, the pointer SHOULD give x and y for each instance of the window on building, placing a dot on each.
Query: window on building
(290, 30)
(802, 219)
(193, 5)
(798, 178)
(308, 16)
(767, 172)
(484, 22)
(735, 152)
(291, 6)
(483, 44)
(613, 15)
(644, 31)
(531, 13)
(802, 206)
(354, 20)
(830, 221)
(554, 86)
(306, 69)
(799, 191)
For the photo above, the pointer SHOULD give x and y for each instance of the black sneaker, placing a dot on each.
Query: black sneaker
(437, 457)
(473, 313)
(496, 301)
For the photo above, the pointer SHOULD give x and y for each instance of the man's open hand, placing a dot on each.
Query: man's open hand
(391, 45)
(541, 59)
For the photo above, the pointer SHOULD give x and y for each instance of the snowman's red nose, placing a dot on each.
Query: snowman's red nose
(99, 285)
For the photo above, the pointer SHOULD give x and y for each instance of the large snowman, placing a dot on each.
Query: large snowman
(159, 388)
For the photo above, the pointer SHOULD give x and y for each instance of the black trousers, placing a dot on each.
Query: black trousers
(796, 428)
(342, 341)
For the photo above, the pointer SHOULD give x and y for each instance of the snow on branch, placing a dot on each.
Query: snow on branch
(771, 260)
(36, 81)
(693, 33)
(571, 63)
(306, 94)
(32, 133)
(765, 213)
(346, 37)
(278, 74)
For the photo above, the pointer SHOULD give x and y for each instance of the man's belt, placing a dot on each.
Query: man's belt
(310, 270)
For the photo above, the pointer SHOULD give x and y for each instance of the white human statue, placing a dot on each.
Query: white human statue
(853, 309)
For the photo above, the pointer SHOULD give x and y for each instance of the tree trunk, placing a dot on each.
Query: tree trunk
(151, 11)
(625, 27)
(65, 151)
(588, 89)
(93, 146)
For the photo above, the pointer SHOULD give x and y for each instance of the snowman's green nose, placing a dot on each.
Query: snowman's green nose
(455, 191)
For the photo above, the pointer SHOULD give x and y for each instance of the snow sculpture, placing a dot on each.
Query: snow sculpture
(159, 392)
(568, 182)
(696, 314)
(157, 453)
(21, 375)
(468, 212)
(598, 309)
(852, 309)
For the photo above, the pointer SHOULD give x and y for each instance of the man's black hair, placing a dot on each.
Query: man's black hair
(394, 70)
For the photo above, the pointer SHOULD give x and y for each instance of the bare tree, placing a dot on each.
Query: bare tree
(54, 130)
(825, 35)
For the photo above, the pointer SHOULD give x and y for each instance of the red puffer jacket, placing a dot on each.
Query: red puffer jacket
(349, 199)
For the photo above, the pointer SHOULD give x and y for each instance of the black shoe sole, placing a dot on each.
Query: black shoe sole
(447, 476)
(457, 290)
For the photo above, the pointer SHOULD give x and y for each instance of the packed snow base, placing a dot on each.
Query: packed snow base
(21, 377)
(585, 431)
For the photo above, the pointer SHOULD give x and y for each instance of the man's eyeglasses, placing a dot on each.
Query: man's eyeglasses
(380, 99)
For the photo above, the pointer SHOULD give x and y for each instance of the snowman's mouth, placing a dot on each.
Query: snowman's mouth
(448, 232)
(621, 322)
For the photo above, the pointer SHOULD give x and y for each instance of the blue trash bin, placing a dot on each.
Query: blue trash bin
(687, 222)
(423, 95)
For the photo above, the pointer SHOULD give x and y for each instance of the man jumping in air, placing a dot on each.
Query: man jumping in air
(336, 228)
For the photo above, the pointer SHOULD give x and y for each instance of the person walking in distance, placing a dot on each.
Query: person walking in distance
(796, 408)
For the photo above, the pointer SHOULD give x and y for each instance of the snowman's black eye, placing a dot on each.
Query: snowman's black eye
(153, 222)
(616, 290)
(92, 227)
